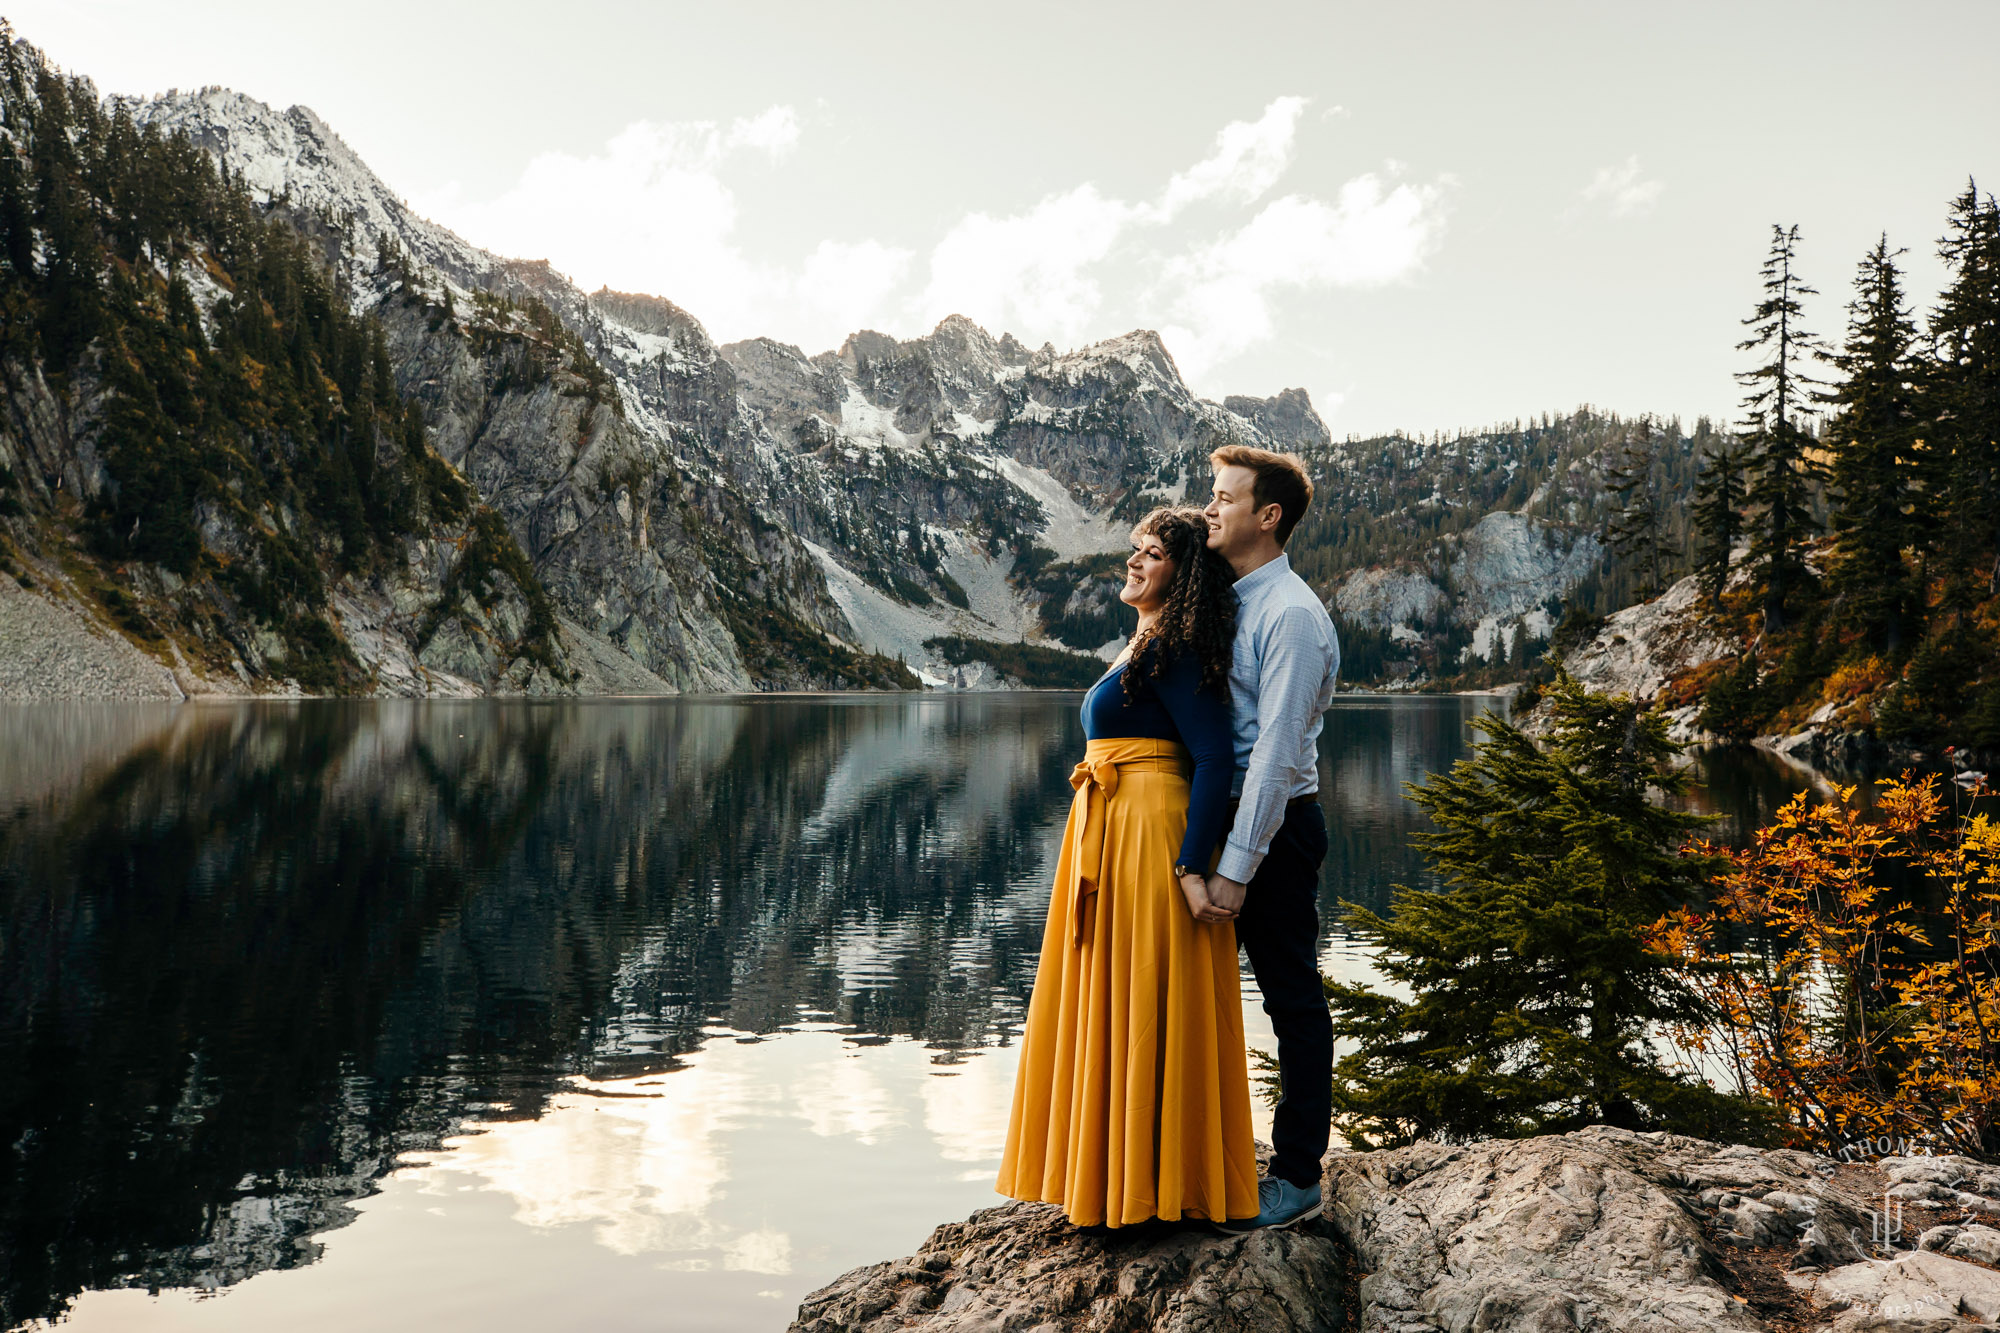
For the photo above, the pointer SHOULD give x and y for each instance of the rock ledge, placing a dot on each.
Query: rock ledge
(1022, 1268)
(1599, 1231)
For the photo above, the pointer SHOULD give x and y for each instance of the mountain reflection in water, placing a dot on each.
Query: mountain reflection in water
(484, 973)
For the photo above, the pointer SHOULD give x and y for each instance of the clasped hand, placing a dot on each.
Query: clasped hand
(1212, 898)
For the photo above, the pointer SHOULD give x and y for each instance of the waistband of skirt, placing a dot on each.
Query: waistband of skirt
(1143, 753)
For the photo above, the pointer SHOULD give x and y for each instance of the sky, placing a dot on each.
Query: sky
(1430, 216)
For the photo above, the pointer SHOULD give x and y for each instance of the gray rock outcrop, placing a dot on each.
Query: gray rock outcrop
(1918, 1288)
(1510, 564)
(1024, 1267)
(1386, 598)
(1600, 1231)
(1606, 1229)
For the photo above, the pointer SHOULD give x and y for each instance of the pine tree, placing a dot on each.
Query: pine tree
(1782, 471)
(1636, 529)
(1719, 492)
(1872, 437)
(1532, 992)
(1961, 399)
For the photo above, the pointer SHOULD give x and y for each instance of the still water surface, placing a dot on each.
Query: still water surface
(511, 1015)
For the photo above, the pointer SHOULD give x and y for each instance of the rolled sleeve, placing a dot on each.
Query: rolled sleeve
(1295, 664)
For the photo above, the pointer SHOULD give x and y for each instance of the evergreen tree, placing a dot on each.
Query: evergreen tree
(1532, 993)
(1961, 400)
(1719, 492)
(1782, 472)
(1872, 437)
(1636, 528)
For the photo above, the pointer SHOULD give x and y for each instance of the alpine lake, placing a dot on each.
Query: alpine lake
(608, 1014)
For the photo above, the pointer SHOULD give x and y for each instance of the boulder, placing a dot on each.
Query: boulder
(1592, 1230)
(1917, 1285)
(1981, 1243)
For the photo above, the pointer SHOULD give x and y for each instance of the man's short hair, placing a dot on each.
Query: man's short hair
(1281, 480)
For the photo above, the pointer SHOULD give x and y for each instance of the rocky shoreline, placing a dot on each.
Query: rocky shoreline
(1599, 1230)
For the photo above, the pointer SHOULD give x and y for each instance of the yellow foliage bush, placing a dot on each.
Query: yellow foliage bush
(1855, 679)
(1852, 962)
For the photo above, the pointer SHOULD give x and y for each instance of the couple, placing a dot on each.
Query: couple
(1133, 1098)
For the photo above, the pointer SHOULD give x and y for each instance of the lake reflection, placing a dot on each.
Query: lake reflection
(510, 1014)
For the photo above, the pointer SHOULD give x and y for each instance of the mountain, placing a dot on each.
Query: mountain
(642, 510)
(1449, 558)
(515, 485)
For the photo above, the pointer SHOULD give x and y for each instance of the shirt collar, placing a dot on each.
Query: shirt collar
(1263, 576)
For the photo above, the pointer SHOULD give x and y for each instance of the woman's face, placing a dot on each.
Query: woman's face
(1148, 574)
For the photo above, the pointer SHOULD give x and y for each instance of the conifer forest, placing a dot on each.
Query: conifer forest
(1845, 530)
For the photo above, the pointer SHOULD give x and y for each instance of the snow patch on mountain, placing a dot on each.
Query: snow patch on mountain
(989, 597)
(1069, 530)
(862, 421)
(892, 628)
(1140, 351)
(881, 623)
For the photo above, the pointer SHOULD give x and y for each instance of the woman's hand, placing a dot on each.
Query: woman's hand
(1195, 889)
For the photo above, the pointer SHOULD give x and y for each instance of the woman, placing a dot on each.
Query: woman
(1133, 1098)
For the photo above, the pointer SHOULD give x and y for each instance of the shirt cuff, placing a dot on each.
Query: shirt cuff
(1237, 864)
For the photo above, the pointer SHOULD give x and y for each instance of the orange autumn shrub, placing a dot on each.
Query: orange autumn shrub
(1852, 680)
(1851, 960)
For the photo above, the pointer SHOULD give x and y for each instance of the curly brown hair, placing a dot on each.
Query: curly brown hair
(1200, 612)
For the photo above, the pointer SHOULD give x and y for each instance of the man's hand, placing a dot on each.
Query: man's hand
(1226, 895)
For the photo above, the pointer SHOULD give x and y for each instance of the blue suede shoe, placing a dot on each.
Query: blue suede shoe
(1280, 1204)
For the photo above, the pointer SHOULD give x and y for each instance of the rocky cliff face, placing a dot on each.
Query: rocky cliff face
(1448, 552)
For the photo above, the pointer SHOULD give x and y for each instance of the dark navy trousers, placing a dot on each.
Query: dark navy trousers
(1279, 931)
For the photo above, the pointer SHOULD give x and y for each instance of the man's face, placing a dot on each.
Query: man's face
(1233, 521)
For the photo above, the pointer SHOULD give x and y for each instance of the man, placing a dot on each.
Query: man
(1267, 881)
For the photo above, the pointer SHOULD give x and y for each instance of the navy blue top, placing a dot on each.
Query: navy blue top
(1172, 707)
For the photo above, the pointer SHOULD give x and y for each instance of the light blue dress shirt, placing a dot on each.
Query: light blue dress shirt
(1280, 682)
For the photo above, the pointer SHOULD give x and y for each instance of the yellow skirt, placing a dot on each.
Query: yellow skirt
(1132, 1100)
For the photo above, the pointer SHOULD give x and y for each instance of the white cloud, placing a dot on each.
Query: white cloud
(1028, 272)
(841, 279)
(1621, 190)
(650, 212)
(1249, 158)
(1039, 273)
(653, 210)
(775, 130)
(1373, 234)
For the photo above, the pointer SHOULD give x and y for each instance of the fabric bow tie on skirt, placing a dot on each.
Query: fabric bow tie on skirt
(1095, 782)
